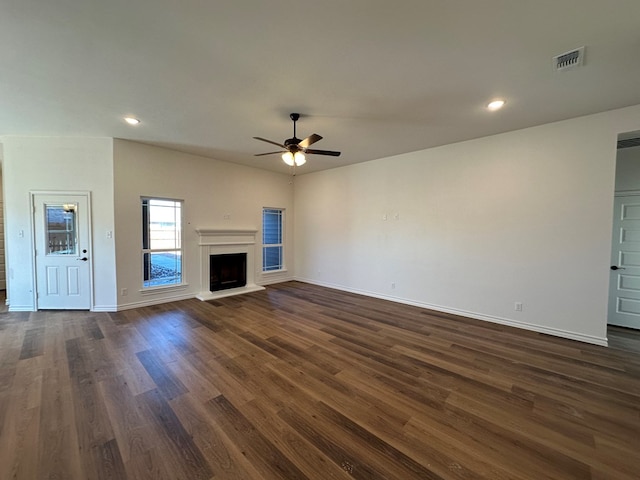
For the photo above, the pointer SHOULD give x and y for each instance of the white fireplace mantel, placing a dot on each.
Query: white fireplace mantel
(217, 241)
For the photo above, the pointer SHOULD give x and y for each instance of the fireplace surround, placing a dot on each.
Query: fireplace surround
(225, 242)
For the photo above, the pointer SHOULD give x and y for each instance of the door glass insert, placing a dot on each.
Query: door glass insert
(61, 223)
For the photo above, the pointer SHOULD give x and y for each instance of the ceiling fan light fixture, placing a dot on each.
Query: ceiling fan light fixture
(299, 159)
(288, 158)
(292, 159)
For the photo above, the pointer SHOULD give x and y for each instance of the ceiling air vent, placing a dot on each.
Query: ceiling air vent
(574, 58)
(629, 142)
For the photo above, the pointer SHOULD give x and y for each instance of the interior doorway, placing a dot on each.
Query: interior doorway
(624, 282)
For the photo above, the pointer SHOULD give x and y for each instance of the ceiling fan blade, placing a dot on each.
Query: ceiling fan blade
(270, 141)
(310, 140)
(323, 152)
(268, 153)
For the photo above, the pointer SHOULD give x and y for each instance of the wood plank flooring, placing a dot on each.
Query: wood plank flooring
(303, 382)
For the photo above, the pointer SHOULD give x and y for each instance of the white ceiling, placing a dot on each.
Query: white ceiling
(374, 78)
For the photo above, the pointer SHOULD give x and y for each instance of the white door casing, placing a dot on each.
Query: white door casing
(624, 284)
(3, 276)
(62, 251)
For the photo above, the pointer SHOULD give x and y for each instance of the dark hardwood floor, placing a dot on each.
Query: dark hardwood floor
(300, 382)
(624, 338)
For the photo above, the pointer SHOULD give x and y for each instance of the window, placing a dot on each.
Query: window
(272, 255)
(61, 227)
(161, 242)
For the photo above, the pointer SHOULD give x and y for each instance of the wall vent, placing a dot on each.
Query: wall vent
(629, 142)
(565, 61)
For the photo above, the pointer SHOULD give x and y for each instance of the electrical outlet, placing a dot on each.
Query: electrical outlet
(518, 306)
(124, 292)
(393, 285)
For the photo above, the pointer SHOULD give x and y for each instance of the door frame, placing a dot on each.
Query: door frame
(32, 205)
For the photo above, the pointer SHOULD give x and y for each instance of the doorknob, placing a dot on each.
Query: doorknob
(84, 259)
(615, 267)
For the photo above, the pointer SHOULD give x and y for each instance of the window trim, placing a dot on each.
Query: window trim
(170, 286)
(283, 266)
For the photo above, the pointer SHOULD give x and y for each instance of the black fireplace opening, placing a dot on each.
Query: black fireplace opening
(228, 270)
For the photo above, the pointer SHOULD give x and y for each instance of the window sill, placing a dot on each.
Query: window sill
(163, 288)
(272, 272)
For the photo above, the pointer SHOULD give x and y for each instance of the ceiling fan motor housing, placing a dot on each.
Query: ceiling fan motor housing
(291, 142)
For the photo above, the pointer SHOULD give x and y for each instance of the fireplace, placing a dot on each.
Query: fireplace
(227, 270)
(233, 271)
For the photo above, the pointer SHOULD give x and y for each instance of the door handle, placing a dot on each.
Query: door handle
(84, 259)
(615, 267)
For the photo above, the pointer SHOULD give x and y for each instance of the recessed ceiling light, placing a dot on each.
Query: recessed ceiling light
(131, 120)
(496, 105)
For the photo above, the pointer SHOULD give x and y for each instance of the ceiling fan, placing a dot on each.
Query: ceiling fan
(294, 150)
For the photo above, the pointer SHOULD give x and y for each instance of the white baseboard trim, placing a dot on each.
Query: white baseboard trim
(153, 301)
(21, 308)
(175, 298)
(104, 308)
(556, 332)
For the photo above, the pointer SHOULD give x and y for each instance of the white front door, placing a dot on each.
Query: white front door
(63, 252)
(624, 285)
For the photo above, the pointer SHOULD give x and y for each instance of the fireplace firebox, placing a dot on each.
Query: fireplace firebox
(228, 270)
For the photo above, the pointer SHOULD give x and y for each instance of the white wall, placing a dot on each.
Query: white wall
(524, 216)
(62, 164)
(210, 189)
(628, 169)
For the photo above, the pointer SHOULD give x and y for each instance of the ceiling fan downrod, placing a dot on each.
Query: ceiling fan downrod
(295, 117)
